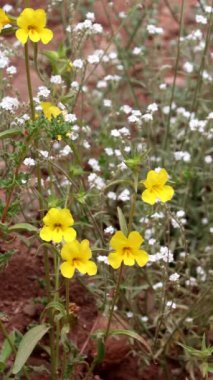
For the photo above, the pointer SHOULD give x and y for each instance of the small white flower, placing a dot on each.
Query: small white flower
(44, 153)
(28, 161)
(201, 19)
(97, 28)
(102, 259)
(90, 16)
(109, 151)
(94, 164)
(107, 103)
(188, 67)
(115, 133)
(11, 70)
(129, 314)
(137, 50)
(174, 277)
(158, 285)
(9, 104)
(124, 195)
(75, 85)
(7, 8)
(171, 304)
(56, 79)
(208, 159)
(78, 63)
(70, 117)
(152, 29)
(144, 318)
(152, 107)
(109, 230)
(112, 195)
(163, 86)
(43, 91)
(126, 109)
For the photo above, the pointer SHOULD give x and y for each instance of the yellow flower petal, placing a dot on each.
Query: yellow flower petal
(166, 193)
(129, 260)
(46, 234)
(69, 234)
(70, 250)
(135, 239)
(40, 17)
(149, 197)
(163, 176)
(34, 35)
(46, 35)
(22, 35)
(57, 235)
(115, 260)
(26, 18)
(118, 240)
(67, 269)
(85, 249)
(91, 268)
(141, 257)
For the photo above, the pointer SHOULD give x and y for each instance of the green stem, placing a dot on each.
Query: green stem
(165, 143)
(56, 298)
(67, 283)
(114, 301)
(29, 85)
(133, 203)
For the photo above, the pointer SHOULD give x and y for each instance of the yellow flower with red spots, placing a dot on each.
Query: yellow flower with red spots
(32, 25)
(50, 110)
(156, 188)
(4, 20)
(127, 250)
(77, 255)
(57, 226)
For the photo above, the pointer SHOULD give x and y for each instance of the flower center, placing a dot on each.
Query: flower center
(32, 28)
(127, 251)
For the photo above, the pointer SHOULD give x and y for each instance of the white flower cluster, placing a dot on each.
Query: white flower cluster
(9, 103)
(154, 30)
(182, 156)
(180, 217)
(164, 254)
(96, 181)
(88, 25)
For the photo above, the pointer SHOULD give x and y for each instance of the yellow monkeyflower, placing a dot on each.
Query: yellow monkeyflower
(156, 188)
(31, 23)
(57, 226)
(50, 110)
(77, 255)
(4, 20)
(127, 249)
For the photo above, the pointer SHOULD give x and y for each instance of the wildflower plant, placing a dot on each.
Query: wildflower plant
(106, 171)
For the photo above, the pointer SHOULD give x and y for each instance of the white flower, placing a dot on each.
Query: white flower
(163, 86)
(208, 159)
(201, 19)
(126, 109)
(124, 131)
(144, 318)
(97, 28)
(102, 259)
(124, 195)
(96, 181)
(112, 195)
(171, 304)
(78, 63)
(188, 67)
(9, 104)
(133, 119)
(28, 161)
(115, 133)
(11, 70)
(44, 153)
(7, 8)
(107, 103)
(75, 85)
(152, 107)
(70, 117)
(94, 164)
(90, 16)
(152, 241)
(147, 117)
(137, 50)
(152, 29)
(109, 151)
(158, 285)
(109, 230)
(184, 156)
(43, 91)
(122, 166)
(4, 60)
(129, 314)
(122, 15)
(56, 79)
(65, 151)
(174, 277)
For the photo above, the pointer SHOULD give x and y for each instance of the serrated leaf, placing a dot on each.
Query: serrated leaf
(10, 133)
(6, 348)
(122, 221)
(23, 227)
(27, 345)
(131, 334)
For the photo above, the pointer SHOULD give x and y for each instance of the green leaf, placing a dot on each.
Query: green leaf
(100, 350)
(131, 334)
(122, 221)
(210, 368)
(10, 133)
(6, 348)
(56, 306)
(27, 345)
(23, 227)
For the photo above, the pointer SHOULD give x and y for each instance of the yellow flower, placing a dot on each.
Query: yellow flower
(31, 23)
(4, 20)
(156, 188)
(77, 256)
(57, 224)
(127, 249)
(50, 110)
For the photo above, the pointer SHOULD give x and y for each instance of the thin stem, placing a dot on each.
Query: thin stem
(175, 77)
(114, 301)
(133, 203)
(67, 284)
(29, 85)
